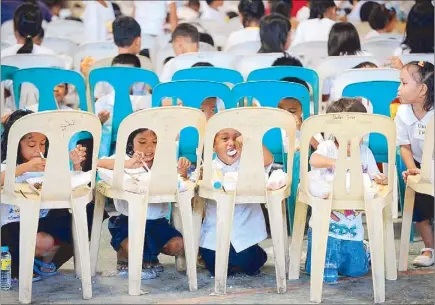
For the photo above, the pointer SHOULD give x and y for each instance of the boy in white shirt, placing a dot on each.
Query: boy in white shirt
(249, 226)
(345, 252)
(151, 16)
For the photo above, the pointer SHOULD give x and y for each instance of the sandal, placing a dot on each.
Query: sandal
(146, 274)
(122, 268)
(154, 265)
(37, 268)
(423, 260)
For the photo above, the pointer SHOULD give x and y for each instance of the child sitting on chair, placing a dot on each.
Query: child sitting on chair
(248, 226)
(160, 236)
(345, 252)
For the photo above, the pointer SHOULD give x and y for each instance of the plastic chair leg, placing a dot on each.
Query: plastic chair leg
(97, 224)
(389, 244)
(180, 261)
(406, 229)
(297, 240)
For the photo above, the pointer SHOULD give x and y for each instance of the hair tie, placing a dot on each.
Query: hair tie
(28, 37)
(421, 63)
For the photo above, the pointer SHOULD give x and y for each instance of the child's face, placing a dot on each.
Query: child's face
(59, 92)
(209, 107)
(145, 142)
(31, 145)
(294, 107)
(225, 145)
(410, 92)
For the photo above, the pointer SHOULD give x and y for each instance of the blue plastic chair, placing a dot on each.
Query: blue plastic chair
(213, 74)
(121, 79)
(8, 72)
(269, 93)
(192, 93)
(278, 73)
(45, 80)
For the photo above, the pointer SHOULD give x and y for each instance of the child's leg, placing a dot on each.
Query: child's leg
(423, 212)
(118, 228)
(248, 261)
(209, 258)
(353, 259)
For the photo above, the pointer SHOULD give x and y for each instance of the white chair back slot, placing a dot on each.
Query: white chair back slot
(246, 64)
(34, 61)
(311, 53)
(61, 46)
(245, 48)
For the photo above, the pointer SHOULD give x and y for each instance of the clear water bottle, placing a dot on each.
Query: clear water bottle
(5, 280)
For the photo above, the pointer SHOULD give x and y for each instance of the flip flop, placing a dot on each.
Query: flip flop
(37, 268)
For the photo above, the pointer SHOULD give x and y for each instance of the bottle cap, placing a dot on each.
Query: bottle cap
(217, 185)
(4, 248)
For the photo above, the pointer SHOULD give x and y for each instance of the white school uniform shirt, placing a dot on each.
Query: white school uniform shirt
(410, 130)
(155, 210)
(107, 103)
(249, 227)
(401, 50)
(349, 226)
(303, 14)
(241, 36)
(98, 20)
(151, 15)
(313, 30)
(209, 13)
(11, 213)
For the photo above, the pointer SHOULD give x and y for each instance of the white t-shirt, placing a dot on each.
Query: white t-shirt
(401, 50)
(98, 20)
(410, 130)
(249, 227)
(12, 50)
(371, 34)
(313, 30)
(187, 14)
(303, 14)
(209, 13)
(11, 213)
(347, 224)
(241, 36)
(151, 15)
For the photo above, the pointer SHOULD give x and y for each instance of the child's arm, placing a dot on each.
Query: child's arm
(406, 153)
(77, 156)
(319, 161)
(34, 165)
(183, 166)
(133, 162)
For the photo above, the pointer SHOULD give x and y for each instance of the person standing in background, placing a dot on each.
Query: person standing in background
(97, 18)
(151, 15)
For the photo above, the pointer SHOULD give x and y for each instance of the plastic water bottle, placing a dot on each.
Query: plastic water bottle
(5, 281)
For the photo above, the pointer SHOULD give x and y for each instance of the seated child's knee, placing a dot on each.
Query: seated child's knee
(44, 243)
(174, 247)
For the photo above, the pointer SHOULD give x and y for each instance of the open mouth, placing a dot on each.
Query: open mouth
(231, 152)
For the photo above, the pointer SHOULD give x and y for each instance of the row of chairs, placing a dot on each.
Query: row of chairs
(167, 122)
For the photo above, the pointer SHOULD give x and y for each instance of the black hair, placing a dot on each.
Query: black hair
(366, 9)
(232, 15)
(381, 16)
(318, 8)
(28, 24)
(281, 8)
(343, 40)
(296, 80)
(287, 60)
(15, 116)
(52, 3)
(209, 2)
(202, 64)
(419, 32)
(347, 104)
(205, 37)
(126, 59)
(167, 59)
(186, 30)
(423, 73)
(364, 65)
(145, 52)
(125, 30)
(251, 11)
(74, 19)
(116, 9)
(130, 141)
(41, 34)
(274, 30)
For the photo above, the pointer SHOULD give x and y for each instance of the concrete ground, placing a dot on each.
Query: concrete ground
(413, 287)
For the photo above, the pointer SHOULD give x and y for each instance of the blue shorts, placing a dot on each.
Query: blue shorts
(344, 257)
(157, 234)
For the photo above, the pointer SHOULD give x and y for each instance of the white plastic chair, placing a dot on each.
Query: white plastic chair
(429, 57)
(161, 55)
(245, 48)
(59, 127)
(6, 44)
(34, 61)
(246, 64)
(311, 53)
(422, 183)
(62, 28)
(205, 47)
(217, 59)
(145, 63)
(61, 46)
(390, 36)
(234, 24)
(148, 41)
(382, 49)
(346, 127)
(97, 50)
(251, 185)
(166, 122)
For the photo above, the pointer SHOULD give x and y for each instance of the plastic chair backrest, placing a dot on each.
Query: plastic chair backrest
(205, 47)
(429, 57)
(250, 181)
(426, 173)
(121, 79)
(269, 94)
(8, 72)
(277, 73)
(192, 94)
(145, 63)
(311, 53)
(61, 28)
(162, 54)
(380, 87)
(22, 61)
(389, 36)
(58, 127)
(6, 44)
(246, 64)
(147, 41)
(45, 80)
(245, 48)
(166, 122)
(347, 127)
(97, 50)
(217, 59)
(7, 31)
(381, 48)
(60, 46)
(332, 65)
(214, 74)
